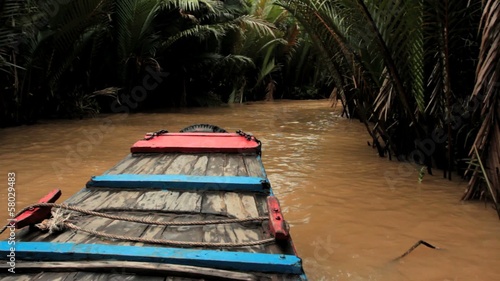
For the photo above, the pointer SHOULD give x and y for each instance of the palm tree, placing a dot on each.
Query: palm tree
(486, 147)
(404, 68)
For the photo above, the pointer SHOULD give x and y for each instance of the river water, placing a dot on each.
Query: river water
(351, 212)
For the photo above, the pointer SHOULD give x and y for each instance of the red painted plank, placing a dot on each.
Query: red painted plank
(277, 224)
(37, 215)
(197, 143)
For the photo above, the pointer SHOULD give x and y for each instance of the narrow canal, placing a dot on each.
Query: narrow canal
(350, 211)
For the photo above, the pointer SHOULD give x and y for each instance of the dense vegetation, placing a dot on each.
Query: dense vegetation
(423, 75)
(71, 58)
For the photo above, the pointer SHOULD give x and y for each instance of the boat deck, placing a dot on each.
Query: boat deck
(164, 205)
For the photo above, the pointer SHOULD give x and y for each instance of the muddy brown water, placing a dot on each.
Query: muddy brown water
(350, 211)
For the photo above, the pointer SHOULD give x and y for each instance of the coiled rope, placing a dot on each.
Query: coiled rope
(59, 222)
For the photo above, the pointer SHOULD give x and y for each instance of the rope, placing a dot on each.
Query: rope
(170, 242)
(59, 222)
(56, 224)
(250, 137)
(155, 134)
(130, 219)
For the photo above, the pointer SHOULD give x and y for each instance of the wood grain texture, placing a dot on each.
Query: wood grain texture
(186, 202)
(240, 206)
(216, 165)
(213, 164)
(253, 166)
(127, 162)
(152, 200)
(95, 200)
(201, 166)
(121, 268)
(17, 277)
(213, 203)
(121, 200)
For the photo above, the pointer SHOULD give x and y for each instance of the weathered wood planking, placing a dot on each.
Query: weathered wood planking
(121, 200)
(17, 277)
(152, 200)
(184, 233)
(122, 165)
(187, 202)
(200, 167)
(120, 275)
(216, 165)
(214, 203)
(120, 268)
(253, 166)
(213, 164)
(117, 227)
(240, 206)
(95, 200)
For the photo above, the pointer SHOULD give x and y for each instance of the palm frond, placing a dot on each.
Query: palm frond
(262, 27)
(487, 143)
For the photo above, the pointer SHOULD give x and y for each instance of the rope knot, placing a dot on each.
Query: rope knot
(55, 224)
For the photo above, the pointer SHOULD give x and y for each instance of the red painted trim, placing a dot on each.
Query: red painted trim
(37, 215)
(197, 143)
(277, 224)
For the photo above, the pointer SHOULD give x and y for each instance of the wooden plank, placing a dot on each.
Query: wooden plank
(91, 276)
(180, 164)
(238, 233)
(232, 165)
(118, 227)
(50, 276)
(254, 166)
(213, 203)
(122, 165)
(196, 143)
(78, 197)
(155, 231)
(233, 233)
(241, 261)
(238, 207)
(215, 165)
(162, 163)
(187, 202)
(144, 161)
(200, 167)
(149, 166)
(93, 223)
(121, 200)
(185, 182)
(94, 201)
(171, 199)
(68, 234)
(249, 205)
(185, 232)
(17, 277)
(188, 167)
(132, 267)
(151, 200)
(242, 169)
(261, 204)
(215, 234)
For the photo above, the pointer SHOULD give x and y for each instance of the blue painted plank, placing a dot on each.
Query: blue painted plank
(181, 182)
(50, 251)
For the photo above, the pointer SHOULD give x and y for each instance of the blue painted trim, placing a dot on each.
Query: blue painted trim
(179, 182)
(50, 251)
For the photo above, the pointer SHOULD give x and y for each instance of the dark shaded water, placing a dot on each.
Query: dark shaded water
(351, 212)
